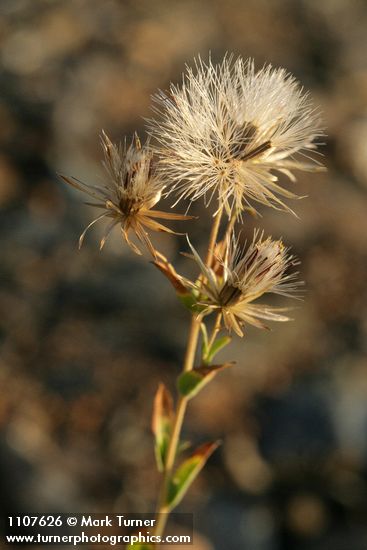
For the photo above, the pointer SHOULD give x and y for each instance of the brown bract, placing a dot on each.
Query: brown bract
(176, 280)
(247, 274)
(131, 192)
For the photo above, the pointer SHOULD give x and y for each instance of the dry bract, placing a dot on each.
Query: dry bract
(132, 189)
(246, 274)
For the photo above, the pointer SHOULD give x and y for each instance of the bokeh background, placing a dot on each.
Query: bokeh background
(87, 336)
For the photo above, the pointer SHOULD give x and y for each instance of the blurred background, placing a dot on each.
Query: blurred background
(87, 336)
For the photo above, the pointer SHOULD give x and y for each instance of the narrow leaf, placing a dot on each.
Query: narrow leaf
(215, 348)
(174, 278)
(191, 382)
(162, 423)
(188, 300)
(187, 472)
(187, 297)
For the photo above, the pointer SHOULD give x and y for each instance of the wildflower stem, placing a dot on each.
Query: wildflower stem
(213, 237)
(192, 342)
(230, 225)
(216, 329)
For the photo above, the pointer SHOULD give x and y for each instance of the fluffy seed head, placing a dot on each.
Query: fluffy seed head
(131, 191)
(228, 127)
(245, 275)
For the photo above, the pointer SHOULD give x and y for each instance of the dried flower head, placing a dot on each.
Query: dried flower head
(245, 275)
(130, 194)
(229, 127)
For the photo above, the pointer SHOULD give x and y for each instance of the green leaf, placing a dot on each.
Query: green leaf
(188, 300)
(187, 472)
(191, 302)
(191, 382)
(215, 348)
(162, 424)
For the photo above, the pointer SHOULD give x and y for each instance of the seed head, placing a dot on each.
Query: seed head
(132, 189)
(228, 127)
(244, 275)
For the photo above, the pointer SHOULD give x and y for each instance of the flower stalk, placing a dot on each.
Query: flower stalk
(188, 365)
(225, 135)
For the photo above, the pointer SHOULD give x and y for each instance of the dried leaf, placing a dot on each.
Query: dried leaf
(174, 278)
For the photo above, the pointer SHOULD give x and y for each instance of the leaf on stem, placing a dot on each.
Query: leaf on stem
(162, 423)
(187, 472)
(174, 278)
(215, 348)
(209, 351)
(188, 298)
(191, 382)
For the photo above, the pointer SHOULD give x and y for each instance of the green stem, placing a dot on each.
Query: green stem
(216, 329)
(192, 342)
(213, 237)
